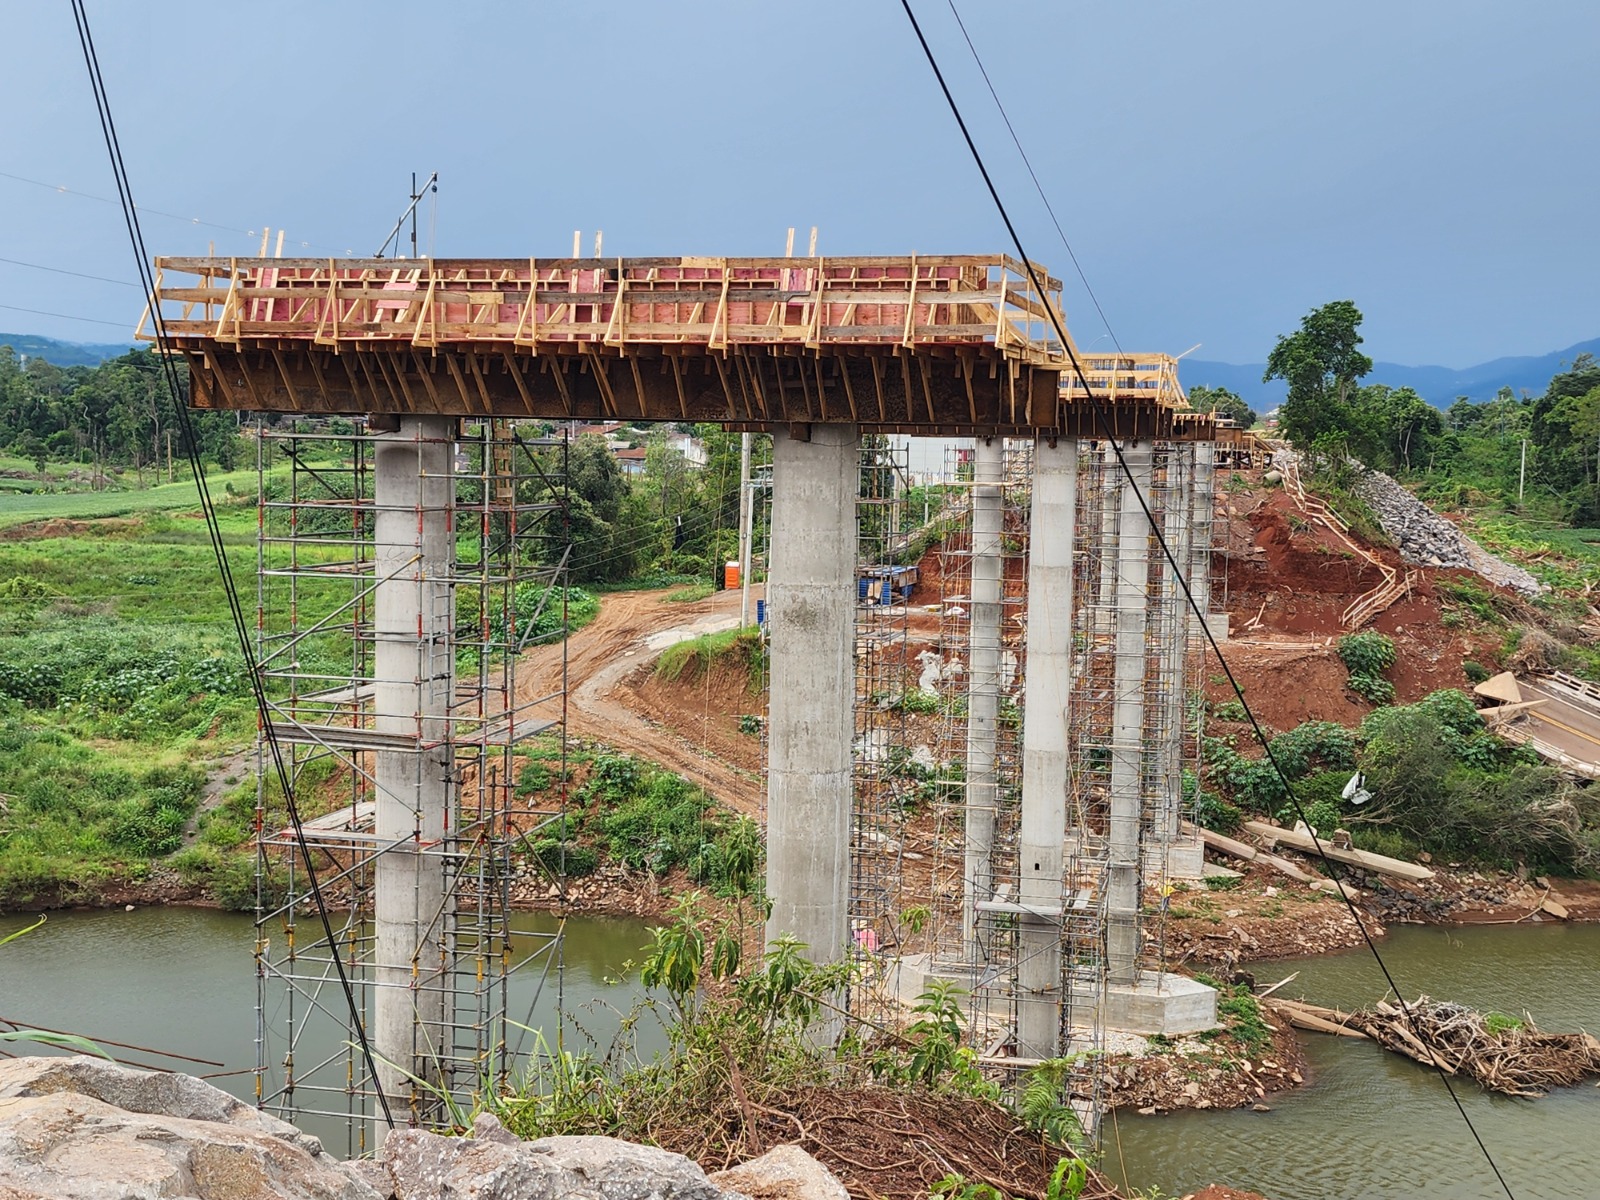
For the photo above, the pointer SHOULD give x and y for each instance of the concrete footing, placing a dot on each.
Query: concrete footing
(1158, 1002)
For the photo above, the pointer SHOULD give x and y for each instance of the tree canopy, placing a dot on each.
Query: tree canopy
(1321, 363)
(1224, 403)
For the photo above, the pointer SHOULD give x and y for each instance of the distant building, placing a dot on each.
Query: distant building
(631, 461)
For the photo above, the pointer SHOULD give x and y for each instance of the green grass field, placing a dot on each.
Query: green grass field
(21, 508)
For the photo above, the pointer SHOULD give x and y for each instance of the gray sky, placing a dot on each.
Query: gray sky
(1220, 168)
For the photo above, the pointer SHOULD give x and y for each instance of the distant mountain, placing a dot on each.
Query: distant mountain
(1439, 385)
(63, 354)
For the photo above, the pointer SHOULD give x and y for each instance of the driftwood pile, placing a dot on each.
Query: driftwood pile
(1513, 1057)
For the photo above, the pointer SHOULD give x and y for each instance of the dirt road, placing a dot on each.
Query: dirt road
(604, 658)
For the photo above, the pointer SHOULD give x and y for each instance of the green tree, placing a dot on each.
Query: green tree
(1222, 402)
(1321, 363)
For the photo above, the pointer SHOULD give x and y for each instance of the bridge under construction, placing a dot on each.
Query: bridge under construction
(1070, 792)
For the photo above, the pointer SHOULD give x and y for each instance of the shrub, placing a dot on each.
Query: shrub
(1372, 688)
(1475, 672)
(1230, 710)
(1367, 653)
(565, 858)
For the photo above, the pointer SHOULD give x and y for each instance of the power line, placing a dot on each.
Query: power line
(17, 262)
(63, 190)
(39, 312)
(1178, 573)
(130, 218)
(1037, 186)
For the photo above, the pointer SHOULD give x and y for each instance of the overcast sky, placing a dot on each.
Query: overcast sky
(1219, 168)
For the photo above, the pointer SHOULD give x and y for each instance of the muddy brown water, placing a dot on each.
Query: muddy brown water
(1373, 1124)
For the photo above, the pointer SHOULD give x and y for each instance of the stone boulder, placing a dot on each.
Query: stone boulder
(782, 1173)
(85, 1129)
(495, 1165)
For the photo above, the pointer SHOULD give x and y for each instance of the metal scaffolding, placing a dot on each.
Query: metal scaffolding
(885, 685)
(321, 568)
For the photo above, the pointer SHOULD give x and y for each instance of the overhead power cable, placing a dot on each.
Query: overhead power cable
(130, 218)
(39, 312)
(1033, 175)
(63, 190)
(17, 262)
(1178, 572)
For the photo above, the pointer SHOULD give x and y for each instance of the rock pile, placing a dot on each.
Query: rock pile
(85, 1129)
(1426, 538)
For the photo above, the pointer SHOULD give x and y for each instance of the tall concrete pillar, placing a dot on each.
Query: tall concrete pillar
(414, 670)
(983, 685)
(811, 723)
(1205, 500)
(1176, 621)
(1128, 721)
(1044, 748)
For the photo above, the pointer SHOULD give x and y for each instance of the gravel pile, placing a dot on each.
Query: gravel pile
(1426, 538)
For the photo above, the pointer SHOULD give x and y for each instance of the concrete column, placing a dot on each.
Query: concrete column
(983, 685)
(1179, 521)
(1102, 624)
(1044, 748)
(414, 669)
(1205, 500)
(811, 723)
(1128, 712)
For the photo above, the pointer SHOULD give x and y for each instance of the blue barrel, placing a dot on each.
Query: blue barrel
(862, 585)
(888, 593)
(761, 612)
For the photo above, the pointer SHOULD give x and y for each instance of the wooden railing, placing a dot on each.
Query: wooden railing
(1394, 583)
(531, 303)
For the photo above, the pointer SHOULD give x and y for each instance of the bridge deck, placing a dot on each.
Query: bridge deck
(919, 344)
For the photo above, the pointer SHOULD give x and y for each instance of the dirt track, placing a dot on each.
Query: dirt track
(606, 666)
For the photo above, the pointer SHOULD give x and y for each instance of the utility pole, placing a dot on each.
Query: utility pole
(1522, 474)
(746, 515)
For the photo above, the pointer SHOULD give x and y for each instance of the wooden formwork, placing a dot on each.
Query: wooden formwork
(949, 344)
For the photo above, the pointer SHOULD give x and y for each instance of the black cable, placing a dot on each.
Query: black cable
(214, 531)
(1037, 186)
(39, 312)
(17, 262)
(1178, 574)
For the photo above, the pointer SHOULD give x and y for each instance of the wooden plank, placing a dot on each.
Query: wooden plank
(1380, 863)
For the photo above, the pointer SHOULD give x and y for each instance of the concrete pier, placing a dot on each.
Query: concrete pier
(1178, 522)
(414, 672)
(1127, 753)
(810, 725)
(1044, 755)
(983, 686)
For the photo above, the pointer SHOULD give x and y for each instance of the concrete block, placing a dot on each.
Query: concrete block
(1185, 859)
(1160, 1002)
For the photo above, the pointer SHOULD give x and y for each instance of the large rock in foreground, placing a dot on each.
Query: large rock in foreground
(494, 1165)
(86, 1129)
(83, 1129)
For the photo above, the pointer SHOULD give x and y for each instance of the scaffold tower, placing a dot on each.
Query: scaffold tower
(405, 567)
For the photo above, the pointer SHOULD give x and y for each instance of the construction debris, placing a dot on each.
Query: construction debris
(1502, 1054)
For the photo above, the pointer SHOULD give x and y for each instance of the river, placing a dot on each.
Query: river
(1370, 1124)
(1373, 1124)
(182, 980)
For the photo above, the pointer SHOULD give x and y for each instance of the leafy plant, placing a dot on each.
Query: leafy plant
(1367, 653)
